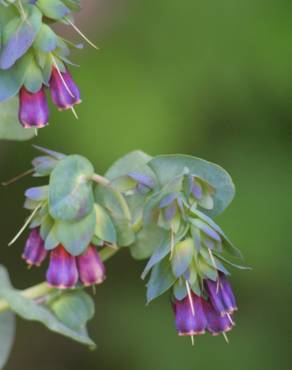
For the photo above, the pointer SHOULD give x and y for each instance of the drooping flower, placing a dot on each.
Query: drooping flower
(33, 108)
(64, 92)
(221, 295)
(190, 317)
(216, 323)
(62, 272)
(91, 268)
(34, 252)
(195, 314)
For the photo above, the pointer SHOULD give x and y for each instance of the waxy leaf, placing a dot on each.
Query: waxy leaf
(74, 309)
(162, 250)
(182, 256)
(116, 206)
(180, 290)
(161, 279)
(104, 228)
(134, 161)
(30, 310)
(147, 241)
(18, 36)
(76, 236)
(10, 128)
(167, 167)
(70, 193)
(228, 246)
(7, 334)
(54, 9)
(46, 40)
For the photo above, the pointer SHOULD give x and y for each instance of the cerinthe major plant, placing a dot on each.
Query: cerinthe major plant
(157, 208)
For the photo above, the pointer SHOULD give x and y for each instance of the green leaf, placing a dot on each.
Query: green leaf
(33, 79)
(104, 228)
(46, 40)
(70, 193)
(7, 335)
(52, 239)
(180, 289)
(76, 236)
(161, 279)
(114, 203)
(10, 128)
(53, 9)
(183, 253)
(147, 241)
(133, 161)
(29, 310)
(74, 309)
(18, 36)
(167, 167)
(228, 246)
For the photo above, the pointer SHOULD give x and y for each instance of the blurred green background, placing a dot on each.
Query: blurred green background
(207, 78)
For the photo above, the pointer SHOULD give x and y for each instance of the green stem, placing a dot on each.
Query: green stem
(43, 289)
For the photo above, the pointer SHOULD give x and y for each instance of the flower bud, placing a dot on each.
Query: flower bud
(64, 91)
(33, 108)
(34, 250)
(62, 272)
(221, 295)
(91, 268)
(190, 318)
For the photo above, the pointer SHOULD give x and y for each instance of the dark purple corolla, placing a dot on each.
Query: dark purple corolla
(213, 312)
(33, 108)
(221, 295)
(190, 318)
(34, 251)
(64, 92)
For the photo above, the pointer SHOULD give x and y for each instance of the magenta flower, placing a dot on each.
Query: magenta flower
(34, 252)
(62, 272)
(64, 92)
(91, 268)
(33, 108)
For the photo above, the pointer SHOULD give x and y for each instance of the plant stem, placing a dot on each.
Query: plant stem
(100, 179)
(43, 289)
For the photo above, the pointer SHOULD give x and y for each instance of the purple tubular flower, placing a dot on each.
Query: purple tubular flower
(91, 268)
(64, 92)
(216, 323)
(34, 251)
(33, 108)
(62, 272)
(221, 295)
(190, 320)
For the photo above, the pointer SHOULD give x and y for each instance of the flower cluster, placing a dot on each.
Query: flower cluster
(34, 58)
(64, 269)
(69, 223)
(33, 106)
(160, 211)
(195, 314)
